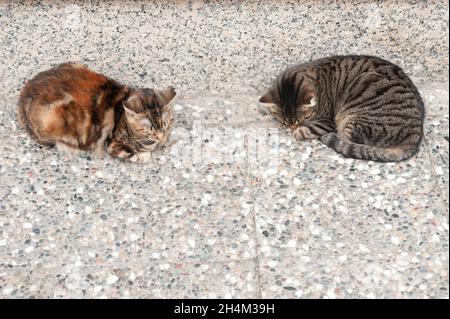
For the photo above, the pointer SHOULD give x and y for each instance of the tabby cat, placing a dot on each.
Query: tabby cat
(73, 107)
(363, 107)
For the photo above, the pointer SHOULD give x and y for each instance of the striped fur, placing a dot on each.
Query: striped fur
(364, 107)
(72, 107)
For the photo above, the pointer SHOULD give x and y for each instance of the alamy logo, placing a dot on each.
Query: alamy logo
(207, 144)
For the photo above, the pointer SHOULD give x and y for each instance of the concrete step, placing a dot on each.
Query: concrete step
(217, 46)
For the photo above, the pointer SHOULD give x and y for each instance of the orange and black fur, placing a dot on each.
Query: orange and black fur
(363, 107)
(73, 107)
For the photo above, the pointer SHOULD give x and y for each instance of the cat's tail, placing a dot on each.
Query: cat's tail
(22, 115)
(24, 122)
(368, 152)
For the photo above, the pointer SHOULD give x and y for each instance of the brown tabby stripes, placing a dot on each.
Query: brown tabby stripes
(363, 107)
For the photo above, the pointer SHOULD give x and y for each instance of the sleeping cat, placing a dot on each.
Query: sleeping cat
(363, 107)
(73, 107)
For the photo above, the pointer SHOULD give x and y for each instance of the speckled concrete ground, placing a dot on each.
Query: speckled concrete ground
(306, 223)
(234, 207)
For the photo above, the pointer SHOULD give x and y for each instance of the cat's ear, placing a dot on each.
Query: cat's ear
(132, 114)
(129, 112)
(133, 103)
(168, 94)
(308, 97)
(268, 97)
(135, 117)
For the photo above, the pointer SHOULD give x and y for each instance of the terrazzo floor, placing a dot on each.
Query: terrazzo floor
(232, 208)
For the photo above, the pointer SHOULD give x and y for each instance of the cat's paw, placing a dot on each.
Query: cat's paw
(303, 133)
(142, 157)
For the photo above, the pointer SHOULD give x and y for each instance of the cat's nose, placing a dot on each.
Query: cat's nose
(161, 137)
(293, 126)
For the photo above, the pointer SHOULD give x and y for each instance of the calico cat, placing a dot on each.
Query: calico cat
(73, 107)
(363, 107)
